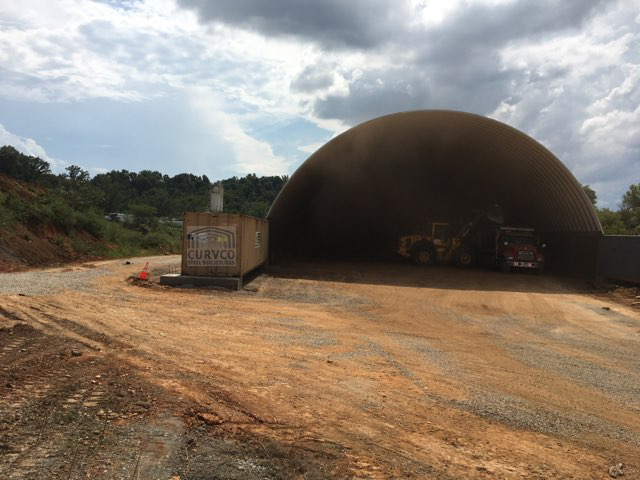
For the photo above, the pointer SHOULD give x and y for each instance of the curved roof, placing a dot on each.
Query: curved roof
(385, 176)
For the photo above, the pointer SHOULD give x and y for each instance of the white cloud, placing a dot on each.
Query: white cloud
(571, 81)
(71, 50)
(578, 93)
(250, 154)
(614, 132)
(311, 148)
(28, 146)
(98, 170)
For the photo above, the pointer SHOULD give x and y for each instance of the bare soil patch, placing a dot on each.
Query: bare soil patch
(345, 371)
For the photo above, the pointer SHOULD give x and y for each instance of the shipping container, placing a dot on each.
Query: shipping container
(223, 244)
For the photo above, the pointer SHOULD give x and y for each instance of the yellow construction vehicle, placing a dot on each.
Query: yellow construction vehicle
(439, 244)
(435, 245)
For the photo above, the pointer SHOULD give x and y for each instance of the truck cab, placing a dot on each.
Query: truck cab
(518, 248)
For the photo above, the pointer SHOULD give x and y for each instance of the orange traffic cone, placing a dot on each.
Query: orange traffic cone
(144, 272)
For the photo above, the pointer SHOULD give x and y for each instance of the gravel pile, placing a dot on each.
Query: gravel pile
(48, 282)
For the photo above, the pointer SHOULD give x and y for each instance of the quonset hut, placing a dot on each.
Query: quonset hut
(362, 190)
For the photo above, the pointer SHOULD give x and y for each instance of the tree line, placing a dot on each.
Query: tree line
(145, 193)
(75, 197)
(73, 204)
(623, 221)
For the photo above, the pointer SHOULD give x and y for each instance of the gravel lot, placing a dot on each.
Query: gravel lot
(49, 282)
(618, 384)
(295, 331)
(389, 373)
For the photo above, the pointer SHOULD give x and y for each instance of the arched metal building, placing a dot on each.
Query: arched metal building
(387, 176)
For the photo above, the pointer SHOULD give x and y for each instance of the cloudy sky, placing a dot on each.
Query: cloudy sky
(229, 87)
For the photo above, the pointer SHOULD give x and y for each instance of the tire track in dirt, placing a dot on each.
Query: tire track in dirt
(382, 381)
(72, 413)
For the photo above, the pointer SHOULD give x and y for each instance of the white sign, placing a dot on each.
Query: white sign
(211, 246)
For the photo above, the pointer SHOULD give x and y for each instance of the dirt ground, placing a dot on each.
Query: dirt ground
(315, 371)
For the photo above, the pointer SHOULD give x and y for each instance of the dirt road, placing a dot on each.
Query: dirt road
(354, 371)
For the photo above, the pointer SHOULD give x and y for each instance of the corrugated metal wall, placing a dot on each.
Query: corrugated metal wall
(255, 243)
(574, 253)
(389, 176)
(619, 258)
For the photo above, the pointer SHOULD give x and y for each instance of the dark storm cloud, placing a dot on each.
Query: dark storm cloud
(370, 23)
(376, 93)
(470, 38)
(456, 64)
(475, 86)
(332, 23)
(312, 78)
(485, 26)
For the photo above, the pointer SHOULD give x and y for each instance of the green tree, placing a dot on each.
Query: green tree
(22, 167)
(611, 222)
(591, 194)
(145, 216)
(77, 174)
(79, 191)
(117, 189)
(251, 195)
(630, 209)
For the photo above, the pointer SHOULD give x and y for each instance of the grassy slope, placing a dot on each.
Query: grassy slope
(38, 228)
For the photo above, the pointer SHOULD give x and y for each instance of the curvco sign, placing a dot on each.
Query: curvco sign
(211, 246)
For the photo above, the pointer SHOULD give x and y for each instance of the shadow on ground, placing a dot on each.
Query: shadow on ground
(440, 276)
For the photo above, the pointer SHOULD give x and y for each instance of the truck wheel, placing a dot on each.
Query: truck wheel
(423, 254)
(465, 258)
(505, 268)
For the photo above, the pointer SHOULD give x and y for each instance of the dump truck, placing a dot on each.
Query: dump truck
(517, 247)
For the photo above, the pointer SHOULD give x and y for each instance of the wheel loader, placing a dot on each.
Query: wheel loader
(438, 244)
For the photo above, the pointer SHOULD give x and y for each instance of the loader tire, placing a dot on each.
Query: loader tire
(423, 254)
(465, 259)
